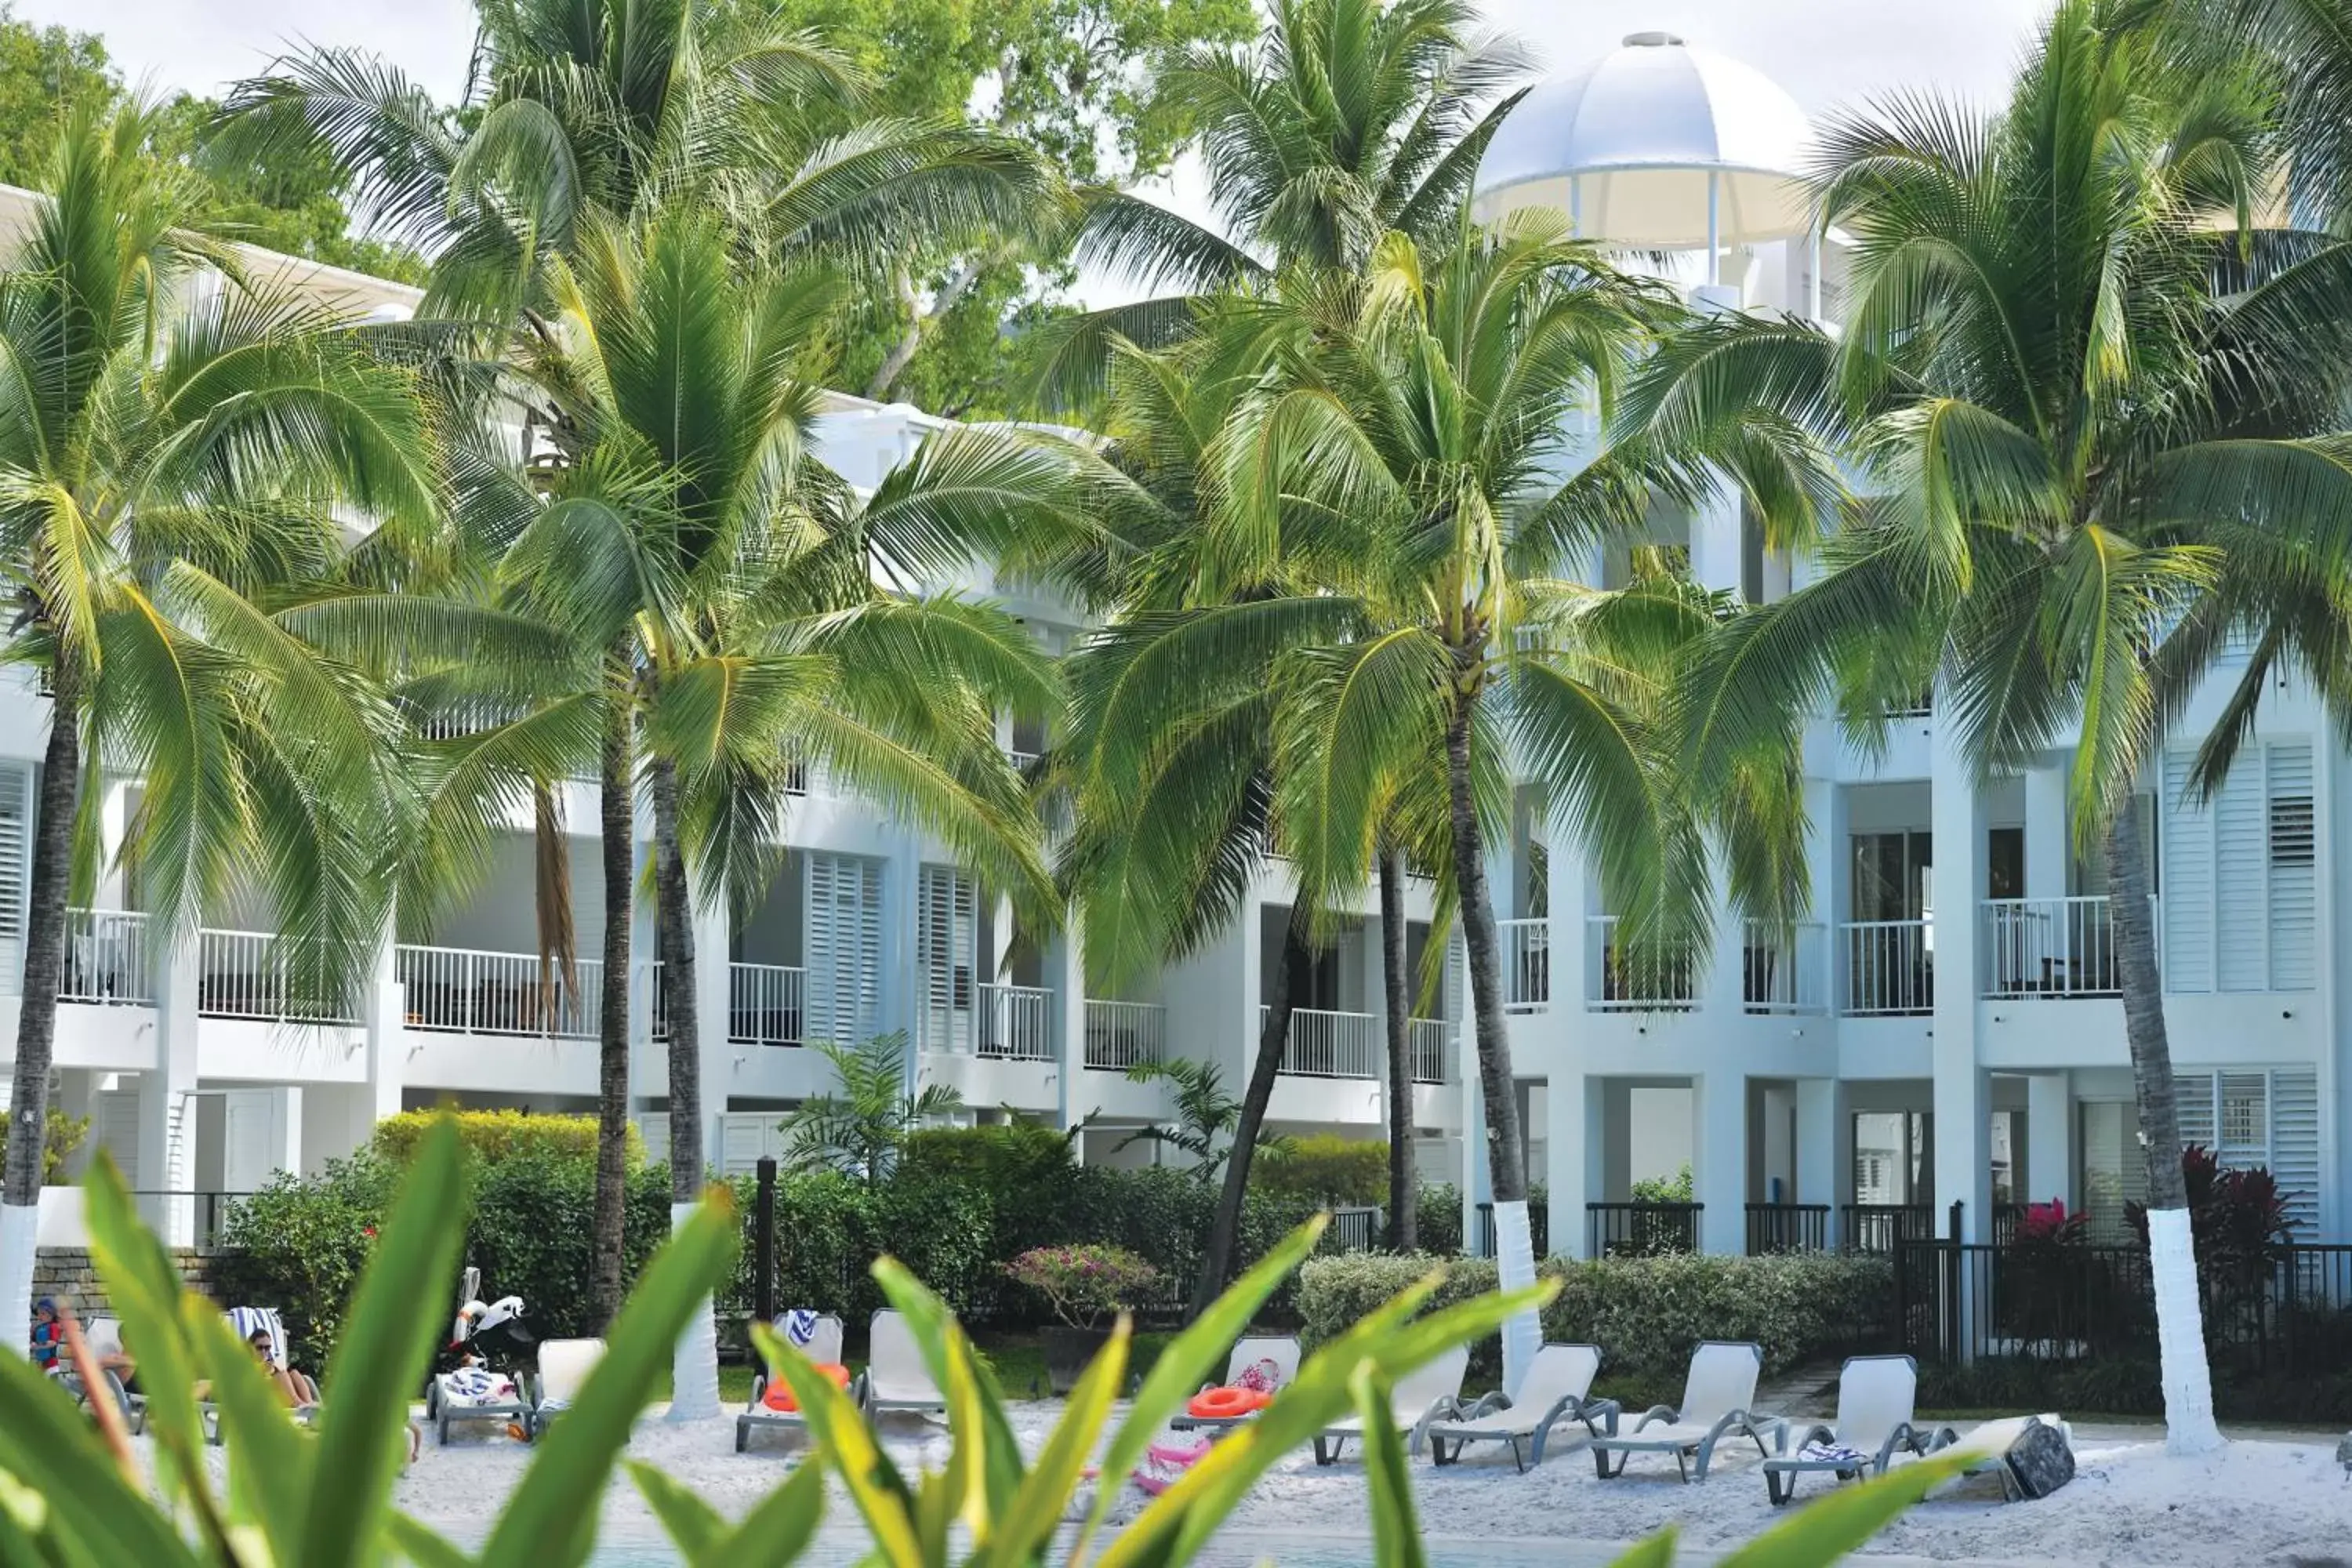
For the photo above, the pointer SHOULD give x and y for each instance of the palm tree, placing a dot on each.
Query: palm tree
(1392, 475)
(1346, 120)
(733, 579)
(2097, 408)
(178, 461)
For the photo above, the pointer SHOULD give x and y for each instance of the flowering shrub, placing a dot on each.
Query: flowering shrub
(2049, 1225)
(1084, 1283)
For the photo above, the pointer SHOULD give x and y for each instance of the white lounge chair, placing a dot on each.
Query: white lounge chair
(247, 1321)
(1282, 1351)
(823, 1345)
(1991, 1441)
(1716, 1401)
(104, 1338)
(1419, 1397)
(1556, 1389)
(563, 1367)
(896, 1377)
(1876, 1395)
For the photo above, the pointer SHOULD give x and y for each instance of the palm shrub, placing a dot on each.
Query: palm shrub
(179, 464)
(863, 1128)
(324, 1498)
(2096, 400)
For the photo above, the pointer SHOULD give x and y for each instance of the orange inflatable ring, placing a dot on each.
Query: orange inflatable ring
(1225, 1403)
(780, 1393)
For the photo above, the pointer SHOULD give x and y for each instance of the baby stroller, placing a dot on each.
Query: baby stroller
(497, 1354)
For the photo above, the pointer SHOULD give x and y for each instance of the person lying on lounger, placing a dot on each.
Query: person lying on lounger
(298, 1389)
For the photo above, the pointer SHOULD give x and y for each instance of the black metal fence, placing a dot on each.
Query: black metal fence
(1787, 1227)
(1538, 1229)
(1641, 1230)
(1881, 1227)
(211, 1211)
(2288, 1306)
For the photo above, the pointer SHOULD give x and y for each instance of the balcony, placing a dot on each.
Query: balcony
(1890, 968)
(765, 1003)
(1623, 980)
(1431, 1044)
(106, 960)
(243, 974)
(1121, 1034)
(1784, 971)
(1526, 966)
(1325, 1044)
(466, 991)
(2049, 947)
(1016, 1022)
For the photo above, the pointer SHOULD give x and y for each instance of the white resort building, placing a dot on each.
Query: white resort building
(1944, 1030)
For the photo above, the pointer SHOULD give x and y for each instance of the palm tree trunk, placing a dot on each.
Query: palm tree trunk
(618, 819)
(1404, 1222)
(694, 1363)
(1506, 1171)
(2172, 1256)
(37, 1018)
(1274, 1037)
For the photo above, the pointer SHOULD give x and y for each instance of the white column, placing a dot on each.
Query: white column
(901, 986)
(1962, 1100)
(1824, 1151)
(167, 1121)
(1826, 863)
(1715, 539)
(1724, 989)
(1065, 974)
(2049, 1139)
(1572, 1140)
(1567, 952)
(1719, 1159)
(712, 994)
(2047, 852)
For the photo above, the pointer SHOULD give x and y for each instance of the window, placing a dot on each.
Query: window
(1891, 873)
(2241, 896)
(2005, 863)
(2291, 836)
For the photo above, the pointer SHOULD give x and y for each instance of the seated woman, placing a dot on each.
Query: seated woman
(298, 1388)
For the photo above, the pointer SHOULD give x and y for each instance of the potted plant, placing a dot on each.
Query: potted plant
(1086, 1284)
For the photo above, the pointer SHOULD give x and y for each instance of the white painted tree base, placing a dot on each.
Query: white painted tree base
(2189, 1425)
(1515, 1263)
(20, 1241)
(694, 1365)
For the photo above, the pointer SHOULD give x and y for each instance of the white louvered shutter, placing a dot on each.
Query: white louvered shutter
(2187, 858)
(2240, 879)
(841, 942)
(946, 944)
(2194, 1093)
(2295, 1145)
(2293, 915)
(15, 870)
(743, 1138)
(652, 1126)
(819, 949)
(865, 919)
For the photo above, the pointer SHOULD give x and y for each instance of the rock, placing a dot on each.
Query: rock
(2039, 1461)
(2344, 1453)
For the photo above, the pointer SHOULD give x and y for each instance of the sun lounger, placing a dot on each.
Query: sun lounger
(896, 1377)
(247, 1321)
(104, 1338)
(819, 1339)
(1991, 1441)
(1556, 1389)
(1419, 1397)
(1873, 1424)
(1716, 1401)
(1281, 1351)
(563, 1367)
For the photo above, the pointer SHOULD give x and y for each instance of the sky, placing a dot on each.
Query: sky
(1824, 52)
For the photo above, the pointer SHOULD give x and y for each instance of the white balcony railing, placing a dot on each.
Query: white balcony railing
(649, 986)
(1890, 967)
(106, 958)
(1623, 980)
(765, 1003)
(1785, 971)
(1119, 1034)
(2049, 947)
(1330, 1045)
(467, 991)
(243, 974)
(1429, 1042)
(1526, 966)
(1015, 1021)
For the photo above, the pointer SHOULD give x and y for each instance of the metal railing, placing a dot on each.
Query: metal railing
(1526, 966)
(1787, 1227)
(1621, 980)
(649, 977)
(1330, 1045)
(1642, 1230)
(2049, 947)
(1539, 1228)
(765, 1003)
(106, 958)
(1352, 1230)
(1015, 1022)
(465, 990)
(1890, 967)
(1878, 1227)
(1120, 1035)
(242, 974)
(1429, 1042)
(1784, 971)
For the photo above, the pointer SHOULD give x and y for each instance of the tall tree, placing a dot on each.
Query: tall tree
(2097, 403)
(177, 463)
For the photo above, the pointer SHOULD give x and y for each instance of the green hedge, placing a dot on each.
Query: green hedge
(1645, 1313)
(501, 1135)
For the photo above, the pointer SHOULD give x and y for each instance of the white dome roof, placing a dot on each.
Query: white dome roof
(1640, 132)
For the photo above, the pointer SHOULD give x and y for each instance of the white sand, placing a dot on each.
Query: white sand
(2255, 1501)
